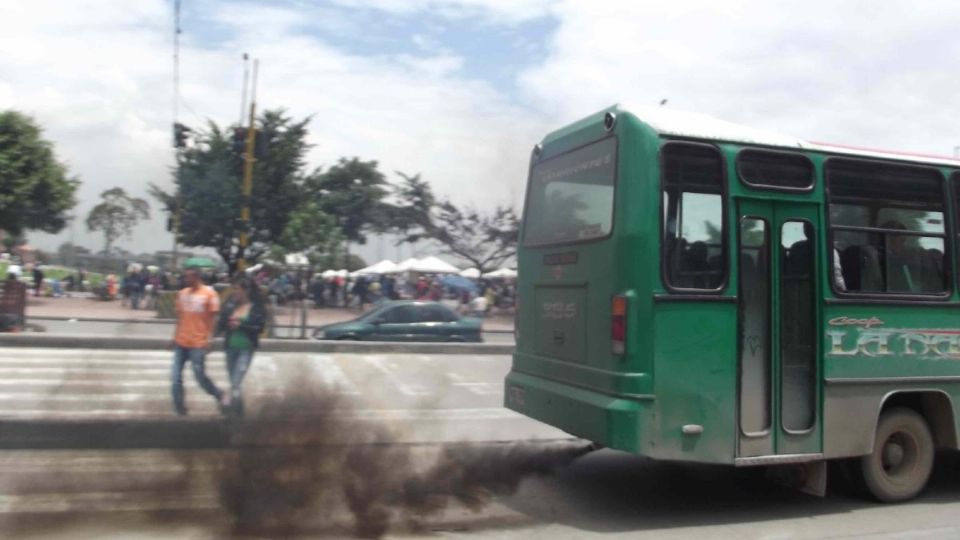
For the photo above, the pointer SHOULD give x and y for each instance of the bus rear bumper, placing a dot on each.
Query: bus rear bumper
(607, 420)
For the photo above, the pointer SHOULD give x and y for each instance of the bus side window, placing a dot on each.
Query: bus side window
(888, 227)
(693, 225)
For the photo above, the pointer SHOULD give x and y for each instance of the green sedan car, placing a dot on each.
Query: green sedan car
(406, 320)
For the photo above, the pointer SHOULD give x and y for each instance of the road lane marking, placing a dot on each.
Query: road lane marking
(114, 500)
(100, 397)
(379, 415)
(106, 374)
(482, 388)
(333, 375)
(383, 365)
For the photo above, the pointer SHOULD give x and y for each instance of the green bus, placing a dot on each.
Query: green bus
(692, 289)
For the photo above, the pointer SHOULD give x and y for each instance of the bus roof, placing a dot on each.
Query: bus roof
(676, 123)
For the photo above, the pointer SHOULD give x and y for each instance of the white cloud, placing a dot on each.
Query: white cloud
(97, 74)
(500, 11)
(858, 72)
(101, 85)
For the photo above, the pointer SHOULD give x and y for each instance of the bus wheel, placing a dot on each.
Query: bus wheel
(902, 457)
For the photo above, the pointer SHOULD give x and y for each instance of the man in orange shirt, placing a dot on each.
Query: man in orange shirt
(197, 307)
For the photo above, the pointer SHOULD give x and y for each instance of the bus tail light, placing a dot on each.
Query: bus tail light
(618, 324)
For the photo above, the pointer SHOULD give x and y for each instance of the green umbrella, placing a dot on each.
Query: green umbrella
(199, 262)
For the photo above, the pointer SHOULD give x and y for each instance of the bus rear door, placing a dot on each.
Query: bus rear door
(778, 389)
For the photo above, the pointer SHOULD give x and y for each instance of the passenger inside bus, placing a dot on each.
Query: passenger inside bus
(888, 261)
(692, 264)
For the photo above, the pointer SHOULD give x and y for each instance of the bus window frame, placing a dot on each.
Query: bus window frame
(953, 188)
(888, 298)
(537, 158)
(738, 158)
(704, 294)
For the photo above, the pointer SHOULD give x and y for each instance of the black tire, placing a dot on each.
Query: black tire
(902, 458)
(348, 338)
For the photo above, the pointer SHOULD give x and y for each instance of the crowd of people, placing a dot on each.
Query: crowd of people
(362, 291)
(140, 287)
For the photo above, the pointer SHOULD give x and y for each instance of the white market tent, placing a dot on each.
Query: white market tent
(385, 266)
(327, 274)
(506, 273)
(427, 265)
(471, 273)
(433, 265)
(296, 259)
(407, 265)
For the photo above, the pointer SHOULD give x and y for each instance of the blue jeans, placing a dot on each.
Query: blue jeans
(238, 362)
(196, 357)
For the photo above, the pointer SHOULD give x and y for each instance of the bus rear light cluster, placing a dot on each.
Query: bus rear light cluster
(618, 324)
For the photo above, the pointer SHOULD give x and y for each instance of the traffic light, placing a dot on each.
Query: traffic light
(260, 144)
(239, 140)
(180, 134)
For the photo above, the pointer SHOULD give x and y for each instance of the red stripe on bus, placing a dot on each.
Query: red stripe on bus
(881, 151)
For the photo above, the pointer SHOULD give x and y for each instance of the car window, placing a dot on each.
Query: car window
(400, 314)
(435, 313)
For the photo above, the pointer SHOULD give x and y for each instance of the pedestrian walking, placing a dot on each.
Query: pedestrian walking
(241, 322)
(135, 288)
(197, 306)
(37, 280)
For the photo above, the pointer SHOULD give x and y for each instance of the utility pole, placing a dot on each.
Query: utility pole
(176, 113)
(248, 160)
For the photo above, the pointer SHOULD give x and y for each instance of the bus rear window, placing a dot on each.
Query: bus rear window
(571, 196)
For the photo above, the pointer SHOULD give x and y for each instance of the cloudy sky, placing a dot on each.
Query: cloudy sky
(460, 90)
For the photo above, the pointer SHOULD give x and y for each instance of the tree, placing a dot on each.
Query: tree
(352, 191)
(207, 187)
(68, 252)
(35, 191)
(310, 231)
(116, 215)
(12, 241)
(484, 239)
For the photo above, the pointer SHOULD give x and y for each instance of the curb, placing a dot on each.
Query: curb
(72, 341)
(494, 330)
(100, 319)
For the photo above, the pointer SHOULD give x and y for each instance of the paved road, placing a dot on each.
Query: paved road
(157, 329)
(387, 440)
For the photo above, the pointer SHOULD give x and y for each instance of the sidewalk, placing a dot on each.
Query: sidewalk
(83, 308)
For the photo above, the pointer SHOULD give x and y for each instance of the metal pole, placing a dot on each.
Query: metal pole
(176, 118)
(243, 91)
(176, 60)
(303, 304)
(248, 160)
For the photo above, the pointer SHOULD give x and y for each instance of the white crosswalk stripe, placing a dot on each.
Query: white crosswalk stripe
(78, 383)
(420, 400)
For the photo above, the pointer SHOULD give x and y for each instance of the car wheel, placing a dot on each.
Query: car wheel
(348, 338)
(902, 457)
